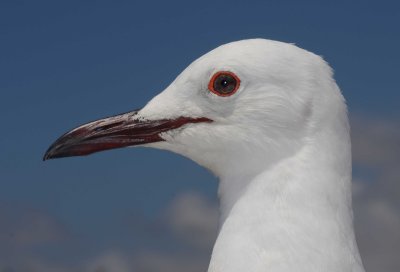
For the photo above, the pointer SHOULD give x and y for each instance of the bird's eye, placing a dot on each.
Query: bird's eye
(224, 83)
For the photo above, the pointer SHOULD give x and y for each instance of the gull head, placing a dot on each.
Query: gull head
(241, 107)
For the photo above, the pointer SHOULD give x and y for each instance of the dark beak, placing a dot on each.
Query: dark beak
(114, 132)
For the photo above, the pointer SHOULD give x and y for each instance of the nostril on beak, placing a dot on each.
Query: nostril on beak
(108, 126)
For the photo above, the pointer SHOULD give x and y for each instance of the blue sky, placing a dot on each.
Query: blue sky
(66, 63)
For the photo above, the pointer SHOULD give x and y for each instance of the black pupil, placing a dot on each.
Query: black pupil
(225, 84)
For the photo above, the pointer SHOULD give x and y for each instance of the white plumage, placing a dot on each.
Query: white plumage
(280, 146)
(281, 149)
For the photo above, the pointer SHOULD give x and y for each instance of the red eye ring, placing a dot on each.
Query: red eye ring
(224, 83)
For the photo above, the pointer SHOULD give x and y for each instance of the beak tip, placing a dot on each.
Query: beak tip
(52, 152)
(47, 156)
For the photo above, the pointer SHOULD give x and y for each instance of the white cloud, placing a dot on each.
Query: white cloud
(193, 218)
(111, 261)
(24, 226)
(167, 262)
(376, 146)
(377, 223)
(22, 229)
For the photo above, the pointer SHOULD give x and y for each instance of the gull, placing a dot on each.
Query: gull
(268, 119)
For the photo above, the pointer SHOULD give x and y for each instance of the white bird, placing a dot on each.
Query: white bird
(268, 119)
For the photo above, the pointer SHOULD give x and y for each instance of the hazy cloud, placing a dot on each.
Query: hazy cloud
(194, 219)
(167, 262)
(376, 147)
(24, 230)
(377, 222)
(111, 261)
(23, 226)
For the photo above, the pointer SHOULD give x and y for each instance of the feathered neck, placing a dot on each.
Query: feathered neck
(296, 215)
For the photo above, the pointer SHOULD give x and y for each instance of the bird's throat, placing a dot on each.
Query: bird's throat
(297, 211)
